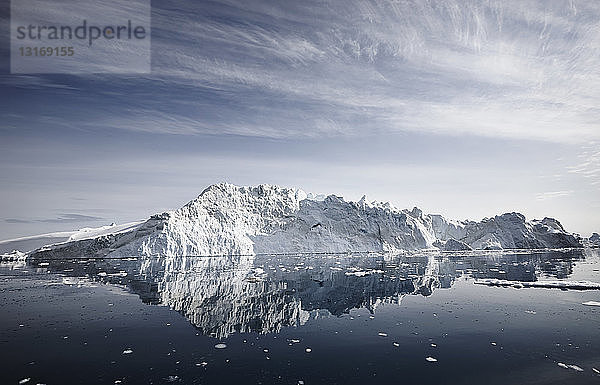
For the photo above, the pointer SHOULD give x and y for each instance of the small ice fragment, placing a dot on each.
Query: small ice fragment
(308, 350)
(102, 274)
(530, 312)
(25, 380)
(220, 346)
(493, 343)
(266, 350)
(430, 359)
(202, 363)
(433, 345)
(381, 334)
(172, 378)
(44, 264)
(300, 382)
(371, 317)
(575, 367)
(596, 370)
(396, 344)
(563, 365)
(118, 381)
(127, 351)
(168, 324)
(294, 341)
(591, 303)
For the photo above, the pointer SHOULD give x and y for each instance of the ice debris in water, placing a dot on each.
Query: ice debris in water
(591, 303)
(25, 380)
(127, 351)
(396, 344)
(530, 312)
(220, 346)
(596, 370)
(308, 350)
(430, 359)
(381, 334)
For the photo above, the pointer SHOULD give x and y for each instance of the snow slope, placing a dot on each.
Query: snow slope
(230, 220)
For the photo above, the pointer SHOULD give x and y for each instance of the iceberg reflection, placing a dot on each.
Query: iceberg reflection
(265, 293)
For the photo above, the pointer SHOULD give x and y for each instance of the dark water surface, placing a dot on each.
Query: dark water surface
(324, 319)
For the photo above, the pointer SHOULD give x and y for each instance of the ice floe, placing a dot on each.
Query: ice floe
(430, 359)
(220, 346)
(591, 303)
(578, 285)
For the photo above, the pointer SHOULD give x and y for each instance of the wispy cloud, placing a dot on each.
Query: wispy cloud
(552, 195)
(588, 164)
(517, 69)
(63, 218)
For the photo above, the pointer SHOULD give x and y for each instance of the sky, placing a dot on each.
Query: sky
(464, 108)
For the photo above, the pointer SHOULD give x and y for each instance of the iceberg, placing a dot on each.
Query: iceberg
(231, 220)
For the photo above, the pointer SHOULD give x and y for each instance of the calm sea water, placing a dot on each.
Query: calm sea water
(321, 319)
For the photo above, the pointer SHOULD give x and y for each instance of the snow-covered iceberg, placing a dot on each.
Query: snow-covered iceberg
(230, 220)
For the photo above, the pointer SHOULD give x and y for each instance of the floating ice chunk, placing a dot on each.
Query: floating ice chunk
(364, 273)
(127, 351)
(308, 350)
(396, 344)
(25, 380)
(203, 363)
(430, 359)
(577, 285)
(433, 345)
(591, 303)
(493, 343)
(44, 264)
(596, 370)
(530, 311)
(220, 346)
(381, 334)
(300, 382)
(571, 366)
